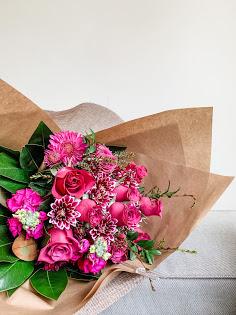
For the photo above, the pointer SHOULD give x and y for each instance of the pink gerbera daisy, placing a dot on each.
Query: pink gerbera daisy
(65, 147)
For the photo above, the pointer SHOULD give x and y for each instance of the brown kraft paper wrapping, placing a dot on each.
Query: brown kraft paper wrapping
(173, 145)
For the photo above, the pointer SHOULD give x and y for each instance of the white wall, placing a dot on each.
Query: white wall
(135, 57)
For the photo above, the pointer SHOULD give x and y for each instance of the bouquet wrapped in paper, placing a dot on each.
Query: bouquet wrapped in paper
(78, 209)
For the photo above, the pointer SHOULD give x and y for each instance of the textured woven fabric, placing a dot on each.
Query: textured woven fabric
(179, 297)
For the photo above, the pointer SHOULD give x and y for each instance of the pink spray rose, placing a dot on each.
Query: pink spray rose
(124, 193)
(84, 207)
(73, 182)
(137, 171)
(151, 206)
(121, 193)
(62, 247)
(24, 198)
(91, 264)
(142, 236)
(107, 161)
(126, 214)
(103, 151)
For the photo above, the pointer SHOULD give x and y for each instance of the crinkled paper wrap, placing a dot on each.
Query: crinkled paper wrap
(174, 145)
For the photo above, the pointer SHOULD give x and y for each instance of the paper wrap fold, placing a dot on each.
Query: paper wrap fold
(174, 145)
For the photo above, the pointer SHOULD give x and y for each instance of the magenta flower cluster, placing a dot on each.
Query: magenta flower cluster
(96, 201)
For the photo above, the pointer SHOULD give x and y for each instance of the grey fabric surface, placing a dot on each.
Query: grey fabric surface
(179, 297)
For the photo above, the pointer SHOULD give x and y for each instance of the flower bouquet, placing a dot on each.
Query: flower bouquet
(77, 209)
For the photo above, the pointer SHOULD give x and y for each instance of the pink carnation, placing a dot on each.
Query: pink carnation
(24, 198)
(92, 264)
(15, 226)
(66, 147)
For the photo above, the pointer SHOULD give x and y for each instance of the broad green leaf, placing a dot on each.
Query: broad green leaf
(77, 275)
(32, 155)
(132, 255)
(9, 169)
(12, 153)
(10, 185)
(39, 189)
(49, 283)
(149, 257)
(155, 251)
(41, 135)
(134, 248)
(6, 241)
(132, 235)
(146, 244)
(116, 149)
(5, 159)
(13, 275)
(45, 205)
(11, 291)
(4, 214)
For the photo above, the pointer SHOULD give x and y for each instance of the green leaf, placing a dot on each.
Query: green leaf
(148, 256)
(13, 275)
(39, 189)
(9, 169)
(134, 248)
(4, 214)
(6, 242)
(45, 205)
(116, 149)
(77, 275)
(49, 283)
(146, 244)
(132, 235)
(11, 291)
(10, 185)
(132, 255)
(32, 155)
(155, 252)
(41, 135)
(12, 153)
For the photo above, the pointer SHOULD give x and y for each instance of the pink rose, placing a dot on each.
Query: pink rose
(131, 216)
(133, 194)
(124, 193)
(107, 161)
(121, 193)
(141, 171)
(103, 151)
(15, 226)
(24, 198)
(151, 206)
(73, 182)
(84, 207)
(142, 236)
(126, 214)
(92, 264)
(62, 247)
